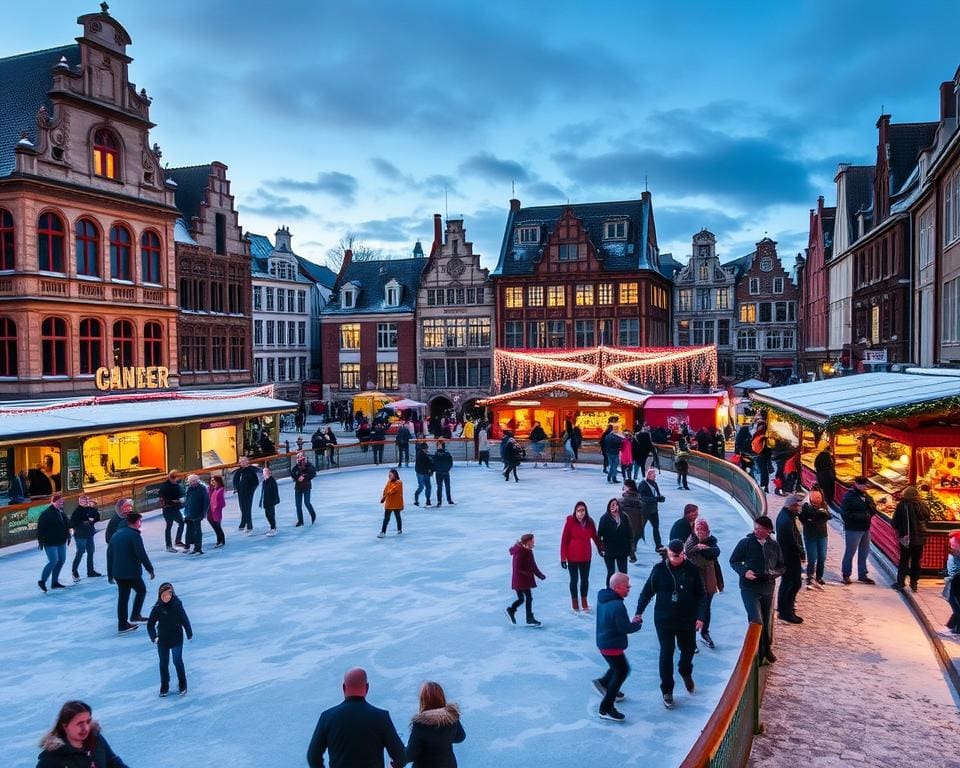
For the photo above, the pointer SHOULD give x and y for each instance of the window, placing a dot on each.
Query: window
(950, 312)
(350, 336)
(150, 257)
(272, 369)
(349, 375)
(629, 332)
(50, 242)
(951, 207)
(629, 293)
(281, 299)
(291, 332)
(685, 300)
(605, 330)
(8, 347)
(567, 252)
(121, 267)
(302, 333)
(87, 248)
(392, 294)
(723, 298)
(615, 230)
(703, 299)
(605, 294)
(534, 295)
(754, 286)
(528, 235)
(269, 299)
(91, 346)
(106, 155)
(7, 241)
(555, 296)
(926, 246)
(281, 369)
(782, 311)
(875, 324)
(513, 296)
(258, 332)
(218, 346)
(257, 298)
(281, 333)
(435, 297)
(53, 346)
(123, 343)
(583, 333)
(301, 302)
(703, 271)
(216, 296)
(303, 367)
(456, 332)
(777, 339)
(723, 333)
(702, 332)
(683, 333)
(748, 313)
(766, 312)
(434, 373)
(348, 298)
(536, 334)
(457, 373)
(746, 339)
(386, 335)
(513, 334)
(387, 376)
(220, 224)
(478, 332)
(433, 333)
(583, 295)
(556, 334)
(152, 344)
(658, 297)
(474, 295)
(258, 369)
(270, 332)
(778, 285)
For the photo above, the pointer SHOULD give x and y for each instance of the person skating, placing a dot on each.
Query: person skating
(613, 626)
(76, 741)
(83, 521)
(245, 482)
(576, 553)
(218, 501)
(632, 507)
(126, 559)
(857, 510)
(392, 500)
(650, 498)
(404, 433)
(568, 439)
(331, 441)
(512, 453)
(482, 438)
(196, 505)
(523, 578)
(702, 551)
(681, 463)
(910, 521)
(171, 504)
(704, 439)
(303, 473)
(677, 615)
(538, 443)
(377, 437)
(682, 528)
(319, 444)
(442, 464)
(423, 467)
(642, 448)
(166, 625)
(616, 538)
(269, 498)
(759, 561)
(434, 730)
(814, 515)
(626, 455)
(53, 535)
(122, 508)
(791, 547)
(610, 445)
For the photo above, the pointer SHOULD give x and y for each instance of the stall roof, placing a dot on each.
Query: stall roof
(22, 421)
(866, 398)
(680, 401)
(579, 388)
(752, 384)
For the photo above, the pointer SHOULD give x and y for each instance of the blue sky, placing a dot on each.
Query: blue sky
(369, 117)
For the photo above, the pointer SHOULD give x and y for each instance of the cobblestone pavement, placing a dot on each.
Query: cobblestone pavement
(857, 684)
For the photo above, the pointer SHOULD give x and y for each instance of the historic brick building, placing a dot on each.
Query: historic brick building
(813, 307)
(87, 269)
(582, 275)
(213, 265)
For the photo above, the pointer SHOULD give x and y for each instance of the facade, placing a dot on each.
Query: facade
(87, 270)
(703, 302)
(281, 315)
(323, 279)
(574, 276)
(215, 328)
(456, 324)
(813, 308)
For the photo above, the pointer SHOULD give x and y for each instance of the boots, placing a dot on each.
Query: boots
(576, 605)
(583, 604)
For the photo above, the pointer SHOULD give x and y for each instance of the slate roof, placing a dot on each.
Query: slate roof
(192, 182)
(906, 141)
(181, 232)
(669, 266)
(740, 265)
(260, 250)
(25, 81)
(827, 222)
(859, 188)
(371, 277)
(317, 272)
(616, 256)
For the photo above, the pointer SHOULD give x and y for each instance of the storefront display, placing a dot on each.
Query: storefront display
(218, 443)
(117, 456)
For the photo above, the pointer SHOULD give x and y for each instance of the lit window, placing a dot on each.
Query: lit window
(555, 296)
(748, 313)
(535, 296)
(723, 298)
(350, 336)
(685, 300)
(478, 332)
(387, 376)
(584, 295)
(605, 294)
(106, 155)
(349, 375)
(514, 297)
(629, 293)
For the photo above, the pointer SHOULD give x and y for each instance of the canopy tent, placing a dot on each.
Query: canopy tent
(751, 384)
(404, 404)
(696, 411)
(589, 390)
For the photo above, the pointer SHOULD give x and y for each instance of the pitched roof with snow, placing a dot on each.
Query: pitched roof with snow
(585, 388)
(192, 182)
(906, 141)
(371, 278)
(317, 272)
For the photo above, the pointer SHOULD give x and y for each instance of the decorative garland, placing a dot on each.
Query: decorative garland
(901, 412)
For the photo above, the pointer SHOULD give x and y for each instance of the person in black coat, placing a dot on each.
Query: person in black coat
(442, 464)
(632, 507)
(363, 436)
(269, 498)
(377, 435)
(83, 521)
(423, 467)
(75, 741)
(857, 510)
(704, 440)
(354, 732)
(677, 615)
(53, 535)
(302, 474)
(910, 521)
(682, 528)
(616, 538)
(166, 625)
(791, 546)
(171, 494)
(826, 475)
(126, 559)
(642, 448)
(651, 498)
(245, 482)
(719, 444)
(434, 730)
(759, 561)
(741, 444)
(196, 505)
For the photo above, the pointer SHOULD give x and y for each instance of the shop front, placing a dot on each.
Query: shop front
(895, 429)
(695, 411)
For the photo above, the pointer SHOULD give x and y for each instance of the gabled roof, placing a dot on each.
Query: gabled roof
(669, 266)
(616, 256)
(192, 182)
(906, 141)
(741, 265)
(585, 389)
(317, 272)
(372, 276)
(859, 195)
(260, 250)
(25, 81)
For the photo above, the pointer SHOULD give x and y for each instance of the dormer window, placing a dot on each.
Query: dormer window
(528, 235)
(106, 154)
(348, 296)
(391, 293)
(282, 269)
(615, 230)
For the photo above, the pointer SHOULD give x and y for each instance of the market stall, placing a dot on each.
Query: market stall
(895, 429)
(710, 410)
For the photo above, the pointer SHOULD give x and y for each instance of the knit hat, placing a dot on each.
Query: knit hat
(910, 493)
(301, 455)
(165, 587)
(764, 522)
(675, 546)
(121, 503)
(792, 499)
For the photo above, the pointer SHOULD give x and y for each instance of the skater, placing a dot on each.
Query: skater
(403, 443)
(683, 527)
(702, 551)
(626, 456)
(126, 559)
(568, 449)
(681, 463)
(616, 538)
(613, 626)
(319, 444)
(610, 444)
(813, 517)
(377, 437)
(423, 467)
(171, 504)
(575, 553)
(245, 482)
(76, 740)
(217, 503)
(650, 497)
(482, 436)
(538, 442)
(434, 730)
(303, 473)
(269, 498)
(119, 520)
(166, 625)
(759, 561)
(331, 442)
(642, 448)
(522, 579)
(392, 500)
(442, 464)
(83, 521)
(196, 505)
(632, 507)
(53, 536)
(513, 453)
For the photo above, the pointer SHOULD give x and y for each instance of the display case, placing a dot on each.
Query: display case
(938, 480)
(810, 447)
(847, 460)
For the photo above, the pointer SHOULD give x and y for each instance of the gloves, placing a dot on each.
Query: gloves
(563, 564)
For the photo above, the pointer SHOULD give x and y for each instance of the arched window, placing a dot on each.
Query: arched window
(123, 343)
(53, 345)
(121, 267)
(150, 257)
(8, 347)
(152, 344)
(91, 345)
(88, 248)
(7, 260)
(106, 154)
(50, 237)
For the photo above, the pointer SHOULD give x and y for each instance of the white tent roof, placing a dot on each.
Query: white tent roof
(752, 384)
(587, 388)
(402, 405)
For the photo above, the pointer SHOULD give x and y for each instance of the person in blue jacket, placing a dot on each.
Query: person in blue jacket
(126, 559)
(166, 625)
(613, 626)
(196, 505)
(53, 535)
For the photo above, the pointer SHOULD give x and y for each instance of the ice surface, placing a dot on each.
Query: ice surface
(279, 620)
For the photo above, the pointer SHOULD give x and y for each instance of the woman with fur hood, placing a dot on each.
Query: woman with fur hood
(75, 741)
(434, 730)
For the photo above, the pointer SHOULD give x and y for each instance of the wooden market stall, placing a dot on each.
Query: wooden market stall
(896, 429)
(710, 410)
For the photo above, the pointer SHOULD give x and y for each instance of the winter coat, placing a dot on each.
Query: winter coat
(613, 624)
(356, 733)
(245, 480)
(83, 522)
(650, 496)
(642, 444)
(538, 435)
(53, 527)
(363, 433)
(392, 495)
(823, 464)
(379, 434)
(403, 435)
(741, 443)
(126, 556)
(631, 506)
(704, 440)
(423, 462)
(857, 510)
(442, 461)
(524, 568)
(705, 560)
(910, 519)
(483, 440)
(765, 560)
(788, 536)
(616, 540)
(681, 598)
(317, 441)
(167, 622)
(719, 445)
(269, 493)
(814, 521)
(626, 452)
(196, 502)
(681, 529)
(302, 474)
(113, 525)
(575, 540)
(610, 442)
(170, 494)
(218, 501)
(59, 754)
(433, 733)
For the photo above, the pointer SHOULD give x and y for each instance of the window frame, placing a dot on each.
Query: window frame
(54, 344)
(55, 240)
(151, 248)
(90, 345)
(106, 154)
(121, 253)
(8, 348)
(8, 241)
(87, 247)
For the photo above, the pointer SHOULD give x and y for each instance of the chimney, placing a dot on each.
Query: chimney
(946, 100)
(344, 264)
(514, 205)
(437, 234)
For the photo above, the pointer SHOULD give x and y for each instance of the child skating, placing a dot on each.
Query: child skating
(523, 581)
(166, 626)
(392, 501)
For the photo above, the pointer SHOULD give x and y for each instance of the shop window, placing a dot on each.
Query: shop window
(106, 154)
(889, 464)
(349, 336)
(53, 344)
(8, 347)
(123, 343)
(534, 296)
(388, 376)
(629, 293)
(150, 257)
(121, 267)
(218, 445)
(50, 242)
(91, 346)
(152, 344)
(122, 455)
(7, 240)
(87, 248)
(349, 375)
(43, 466)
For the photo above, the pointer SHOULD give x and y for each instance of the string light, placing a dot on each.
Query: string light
(266, 391)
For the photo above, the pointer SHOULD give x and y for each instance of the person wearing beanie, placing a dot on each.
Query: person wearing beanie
(813, 517)
(759, 561)
(791, 546)
(119, 520)
(166, 625)
(196, 506)
(857, 510)
(910, 520)
(677, 615)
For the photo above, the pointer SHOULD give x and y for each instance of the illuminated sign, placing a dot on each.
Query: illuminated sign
(149, 377)
(558, 393)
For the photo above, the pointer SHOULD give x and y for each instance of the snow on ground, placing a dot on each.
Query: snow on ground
(279, 620)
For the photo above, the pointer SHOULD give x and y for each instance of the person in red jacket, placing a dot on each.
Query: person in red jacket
(575, 552)
(523, 581)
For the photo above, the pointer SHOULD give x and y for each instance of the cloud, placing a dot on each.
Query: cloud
(544, 190)
(487, 166)
(578, 134)
(395, 229)
(433, 184)
(271, 206)
(341, 186)
(679, 222)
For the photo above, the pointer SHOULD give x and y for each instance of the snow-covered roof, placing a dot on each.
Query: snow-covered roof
(22, 421)
(752, 384)
(181, 232)
(586, 388)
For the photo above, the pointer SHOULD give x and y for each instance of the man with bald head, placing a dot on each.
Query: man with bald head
(613, 626)
(355, 733)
